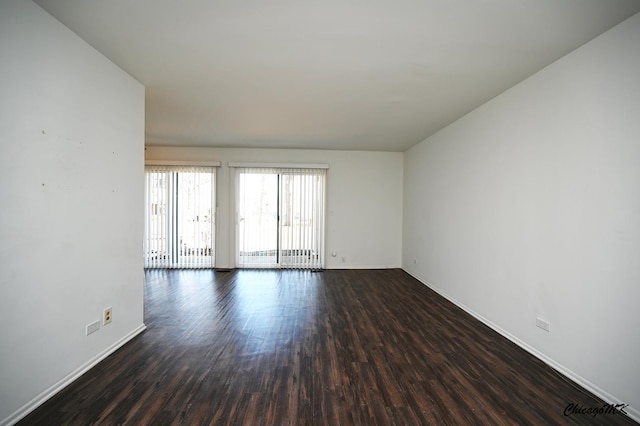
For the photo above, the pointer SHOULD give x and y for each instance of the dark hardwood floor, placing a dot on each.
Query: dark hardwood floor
(301, 348)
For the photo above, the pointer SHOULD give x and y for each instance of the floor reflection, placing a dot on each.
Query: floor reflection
(272, 308)
(254, 311)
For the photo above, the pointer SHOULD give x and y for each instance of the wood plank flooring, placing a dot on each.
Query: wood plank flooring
(365, 347)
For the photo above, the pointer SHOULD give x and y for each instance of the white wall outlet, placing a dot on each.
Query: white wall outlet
(93, 327)
(543, 324)
(107, 316)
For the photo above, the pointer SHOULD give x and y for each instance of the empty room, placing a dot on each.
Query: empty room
(320, 213)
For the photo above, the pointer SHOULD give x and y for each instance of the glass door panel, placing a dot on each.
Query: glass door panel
(258, 219)
(195, 222)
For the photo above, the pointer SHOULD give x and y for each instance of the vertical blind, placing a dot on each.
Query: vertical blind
(179, 217)
(280, 217)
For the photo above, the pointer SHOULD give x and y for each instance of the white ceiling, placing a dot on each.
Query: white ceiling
(328, 74)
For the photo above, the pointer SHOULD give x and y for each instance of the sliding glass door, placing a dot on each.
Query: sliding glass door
(179, 219)
(280, 218)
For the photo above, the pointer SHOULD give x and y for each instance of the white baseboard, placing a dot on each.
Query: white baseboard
(346, 266)
(336, 266)
(65, 381)
(594, 389)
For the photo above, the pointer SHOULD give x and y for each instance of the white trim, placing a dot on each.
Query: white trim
(279, 165)
(594, 389)
(67, 380)
(182, 163)
(343, 266)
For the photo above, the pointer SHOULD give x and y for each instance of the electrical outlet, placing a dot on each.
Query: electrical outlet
(107, 316)
(543, 324)
(93, 327)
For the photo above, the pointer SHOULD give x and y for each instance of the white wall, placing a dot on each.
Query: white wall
(364, 201)
(71, 167)
(530, 206)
